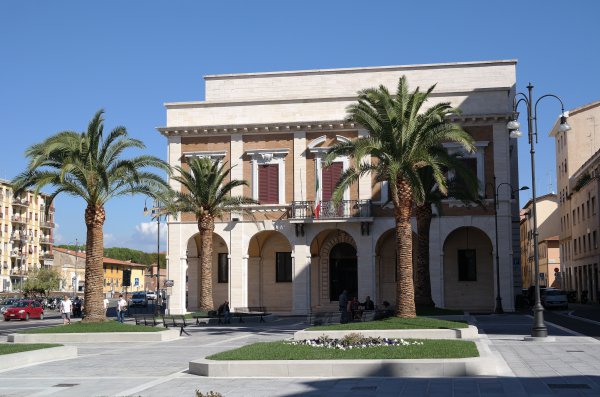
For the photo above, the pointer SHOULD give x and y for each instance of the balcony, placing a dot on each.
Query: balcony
(47, 225)
(46, 240)
(346, 210)
(18, 219)
(48, 255)
(20, 203)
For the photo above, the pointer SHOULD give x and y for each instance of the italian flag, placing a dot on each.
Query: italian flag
(317, 198)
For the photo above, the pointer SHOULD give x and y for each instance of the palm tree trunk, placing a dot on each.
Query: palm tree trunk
(206, 226)
(422, 276)
(405, 294)
(94, 264)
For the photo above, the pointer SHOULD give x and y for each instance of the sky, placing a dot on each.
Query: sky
(61, 61)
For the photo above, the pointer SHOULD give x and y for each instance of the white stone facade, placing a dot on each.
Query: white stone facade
(291, 118)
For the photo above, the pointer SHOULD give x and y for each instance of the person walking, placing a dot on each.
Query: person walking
(66, 307)
(121, 309)
(105, 306)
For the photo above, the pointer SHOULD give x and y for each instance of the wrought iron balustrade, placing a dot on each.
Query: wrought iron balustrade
(330, 210)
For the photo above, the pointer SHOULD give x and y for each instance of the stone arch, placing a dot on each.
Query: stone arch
(264, 289)
(468, 270)
(220, 258)
(320, 249)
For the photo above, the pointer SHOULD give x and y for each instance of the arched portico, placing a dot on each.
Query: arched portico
(270, 271)
(468, 270)
(220, 271)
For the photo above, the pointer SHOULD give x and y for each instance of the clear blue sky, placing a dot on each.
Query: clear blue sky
(62, 61)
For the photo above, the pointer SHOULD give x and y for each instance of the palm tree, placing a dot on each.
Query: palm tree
(89, 165)
(400, 142)
(207, 195)
(463, 186)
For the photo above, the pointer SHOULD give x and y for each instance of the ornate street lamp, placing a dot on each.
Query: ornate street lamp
(156, 213)
(499, 309)
(539, 329)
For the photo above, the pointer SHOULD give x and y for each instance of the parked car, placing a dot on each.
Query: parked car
(554, 298)
(7, 303)
(138, 299)
(24, 310)
(151, 295)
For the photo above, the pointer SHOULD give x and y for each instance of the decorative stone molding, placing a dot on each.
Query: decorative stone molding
(213, 155)
(268, 156)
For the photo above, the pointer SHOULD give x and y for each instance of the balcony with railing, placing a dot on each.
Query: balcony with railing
(46, 240)
(20, 203)
(329, 211)
(18, 219)
(47, 224)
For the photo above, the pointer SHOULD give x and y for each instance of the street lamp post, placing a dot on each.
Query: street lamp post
(539, 329)
(156, 213)
(499, 309)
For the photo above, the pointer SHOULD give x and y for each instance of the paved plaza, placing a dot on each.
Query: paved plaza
(570, 366)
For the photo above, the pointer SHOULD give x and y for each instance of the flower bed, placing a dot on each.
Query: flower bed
(353, 341)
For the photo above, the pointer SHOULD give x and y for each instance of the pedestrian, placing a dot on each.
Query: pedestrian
(343, 301)
(121, 309)
(105, 306)
(225, 312)
(66, 307)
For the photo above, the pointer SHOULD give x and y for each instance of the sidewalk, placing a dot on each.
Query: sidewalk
(568, 367)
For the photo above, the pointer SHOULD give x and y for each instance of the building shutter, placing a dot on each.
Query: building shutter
(268, 183)
(331, 176)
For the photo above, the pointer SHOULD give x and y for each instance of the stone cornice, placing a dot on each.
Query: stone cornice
(304, 126)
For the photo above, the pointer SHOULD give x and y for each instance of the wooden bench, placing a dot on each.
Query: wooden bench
(176, 321)
(258, 310)
(146, 319)
(211, 314)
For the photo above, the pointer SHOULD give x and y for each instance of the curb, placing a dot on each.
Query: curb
(99, 337)
(472, 366)
(15, 360)
(456, 333)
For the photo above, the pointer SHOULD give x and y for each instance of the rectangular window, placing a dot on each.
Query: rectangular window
(223, 276)
(578, 215)
(573, 217)
(587, 207)
(593, 205)
(283, 263)
(575, 246)
(584, 249)
(590, 241)
(268, 183)
(595, 239)
(470, 164)
(467, 265)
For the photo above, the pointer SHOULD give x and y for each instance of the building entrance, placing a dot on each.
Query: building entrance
(342, 271)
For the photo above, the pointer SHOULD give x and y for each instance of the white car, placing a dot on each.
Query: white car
(552, 297)
(151, 295)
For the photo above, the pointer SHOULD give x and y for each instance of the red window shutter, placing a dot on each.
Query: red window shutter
(268, 184)
(331, 176)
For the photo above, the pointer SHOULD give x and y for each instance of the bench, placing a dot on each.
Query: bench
(211, 314)
(258, 310)
(176, 321)
(323, 318)
(146, 319)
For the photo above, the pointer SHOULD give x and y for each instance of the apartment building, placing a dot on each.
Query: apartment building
(577, 173)
(71, 265)
(548, 227)
(26, 236)
(275, 128)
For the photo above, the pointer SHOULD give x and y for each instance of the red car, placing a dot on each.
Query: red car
(24, 310)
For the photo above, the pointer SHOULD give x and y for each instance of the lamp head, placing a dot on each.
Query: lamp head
(524, 188)
(145, 210)
(515, 134)
(563, 126)
(513, 125)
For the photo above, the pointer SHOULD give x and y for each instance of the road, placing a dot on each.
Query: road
(51, 318)
(584, 319)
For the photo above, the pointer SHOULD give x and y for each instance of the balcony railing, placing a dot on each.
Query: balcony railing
(22, 203)
(46, 240)
(18, 219)
(329, 210)
(47, 225)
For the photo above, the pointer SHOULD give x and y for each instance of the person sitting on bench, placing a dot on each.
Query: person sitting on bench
(224, 311)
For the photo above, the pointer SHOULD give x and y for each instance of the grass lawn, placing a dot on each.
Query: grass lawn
(108, 326)
(432, 348)
(393, 323)
(9, 348)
